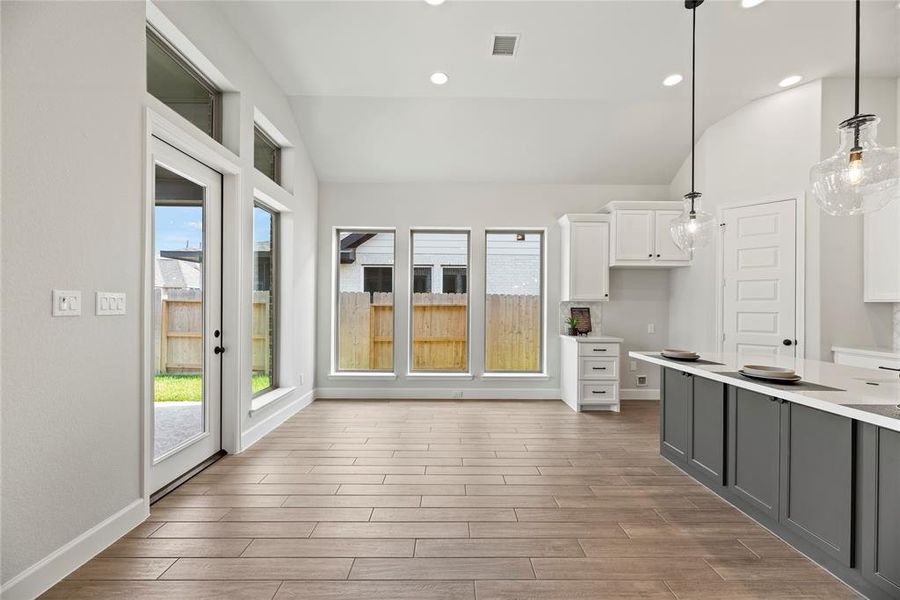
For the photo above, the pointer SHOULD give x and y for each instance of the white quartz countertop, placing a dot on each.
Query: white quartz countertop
(593, 339)
(861, 386)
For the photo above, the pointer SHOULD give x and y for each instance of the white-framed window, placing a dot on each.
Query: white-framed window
(514, 301)
(439, 322)
(181, 86)
(266, 154)
(264, 337)
(364, 301)
(378, 279)
(422, 279)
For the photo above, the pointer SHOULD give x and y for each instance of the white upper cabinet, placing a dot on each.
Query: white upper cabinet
(585, 257)
(634, 235)
(666, 250)
(640, 235)
(881, 254)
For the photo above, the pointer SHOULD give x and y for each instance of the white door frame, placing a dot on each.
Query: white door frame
(162, 122)
(800, 268)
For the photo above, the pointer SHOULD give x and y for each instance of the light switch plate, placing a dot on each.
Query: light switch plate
(110, 303)
(66, 303)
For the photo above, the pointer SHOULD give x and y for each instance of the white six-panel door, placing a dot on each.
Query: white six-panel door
(760, 274)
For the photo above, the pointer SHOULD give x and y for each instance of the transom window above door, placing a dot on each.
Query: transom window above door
(182, 87)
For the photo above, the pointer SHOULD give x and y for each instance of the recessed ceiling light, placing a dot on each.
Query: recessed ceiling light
(790, 80)
(751, 3)
(439, 78)
(435, 2)
(673, 79)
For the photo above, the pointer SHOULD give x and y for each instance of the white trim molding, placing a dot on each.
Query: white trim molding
(434, 393)
(50, 570)
(268, 424)
(638, 394)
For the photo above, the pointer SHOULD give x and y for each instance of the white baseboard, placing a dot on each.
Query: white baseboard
(638, 394)
(44, 574)
(270, 422)
(411, 393)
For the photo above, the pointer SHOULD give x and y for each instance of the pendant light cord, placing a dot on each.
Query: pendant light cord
(693, 97)
(856, 84)
(856, 95)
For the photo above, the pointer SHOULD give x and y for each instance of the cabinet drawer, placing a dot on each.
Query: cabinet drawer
(590, 367)
(598, 393)
(611, 350)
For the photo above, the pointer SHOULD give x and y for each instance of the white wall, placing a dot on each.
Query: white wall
(73, 183)
(73, 76)
(845, 319)
(640, 295)
(765, 150)
(206, 27)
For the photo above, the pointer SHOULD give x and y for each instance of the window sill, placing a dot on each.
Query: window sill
(439, 376)
(263, 400)
(362, 375)
(529, 376)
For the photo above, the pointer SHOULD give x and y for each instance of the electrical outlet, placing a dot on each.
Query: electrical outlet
(651, 328)
(632, 366)
(641, 381)
(66, 303)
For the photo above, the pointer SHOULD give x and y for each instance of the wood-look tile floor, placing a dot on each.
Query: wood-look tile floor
(449, 500)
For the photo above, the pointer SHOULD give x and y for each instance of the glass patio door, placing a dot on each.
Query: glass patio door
(186, 338)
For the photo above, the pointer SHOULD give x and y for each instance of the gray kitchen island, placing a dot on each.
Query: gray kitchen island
(816, 462)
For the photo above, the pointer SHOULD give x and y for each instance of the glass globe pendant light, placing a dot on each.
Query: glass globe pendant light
(693, 228)
(862, 176)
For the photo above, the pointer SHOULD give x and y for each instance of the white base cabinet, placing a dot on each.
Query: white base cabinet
(589, 372)
(868, 358)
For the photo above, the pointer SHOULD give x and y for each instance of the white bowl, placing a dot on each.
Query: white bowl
(767, 371)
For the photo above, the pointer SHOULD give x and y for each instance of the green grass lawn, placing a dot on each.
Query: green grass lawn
(187, 388)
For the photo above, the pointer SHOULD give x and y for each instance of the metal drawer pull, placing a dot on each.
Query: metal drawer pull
(598, 392)
(599, 368)
(599, 349)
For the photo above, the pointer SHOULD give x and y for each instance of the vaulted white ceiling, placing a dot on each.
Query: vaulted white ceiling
(582, 102)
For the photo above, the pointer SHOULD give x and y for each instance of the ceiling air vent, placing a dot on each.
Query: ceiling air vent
(505, 44)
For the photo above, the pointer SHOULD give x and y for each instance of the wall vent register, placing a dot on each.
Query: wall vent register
(505, 45)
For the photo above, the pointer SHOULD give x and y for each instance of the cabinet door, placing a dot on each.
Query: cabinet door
(881, 254)
(817, 478)
(589, 261)
(665, 245)
(754, 450)
(634, 235)
(880, 534)
(706, 450)
(676, 395)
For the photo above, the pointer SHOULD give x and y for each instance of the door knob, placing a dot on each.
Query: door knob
(218, 350)
(787, 342)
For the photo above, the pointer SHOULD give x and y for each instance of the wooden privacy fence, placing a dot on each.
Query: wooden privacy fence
(439, 332)
(512, 336)
(178, 320)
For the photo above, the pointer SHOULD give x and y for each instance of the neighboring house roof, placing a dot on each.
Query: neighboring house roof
(349, 245)
(174, 273)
